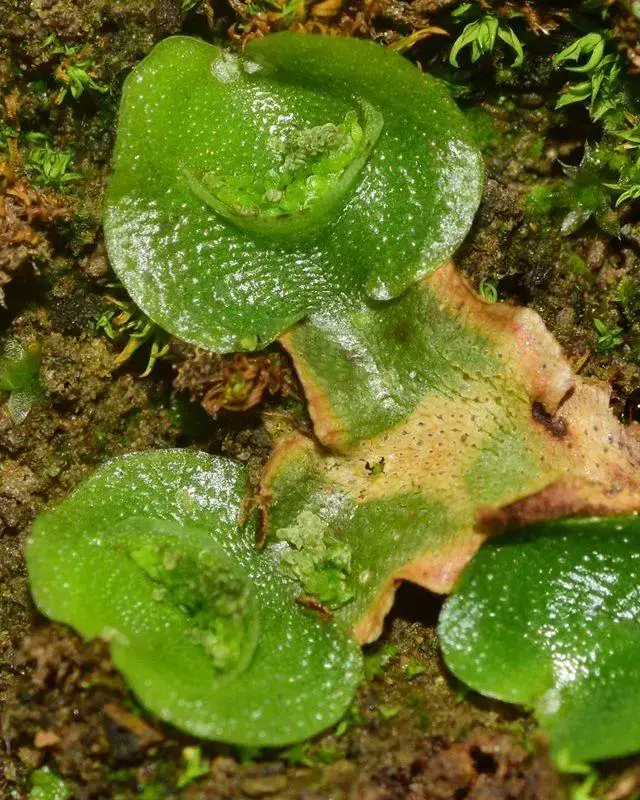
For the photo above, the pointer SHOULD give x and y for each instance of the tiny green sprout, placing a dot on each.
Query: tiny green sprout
(286, 11)
(352, 719)
(49, 168)
(589, 48)
(627, 192)
(583, 790)
(155, 789)
(628, 185)
(126, 322)
(248, 754)
(56, 47)
(488, 290)
(328, 755)
(462, 692)
(630, 138)
(20, 376)
(46, 785)
(607, 338)
(481, 36)
(154, 554)
(76, 79)
(188, 5)
(407, 42)
(570, 766)
(272, 169)
(377, 661)
(584, 775)
(194, 767)
(463, 10)
(298, 755)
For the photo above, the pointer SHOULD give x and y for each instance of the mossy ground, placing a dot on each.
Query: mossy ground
(413, 732)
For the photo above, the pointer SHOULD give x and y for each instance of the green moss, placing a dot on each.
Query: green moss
(481, 35)
(194, 767)
(535, 149)
(576, 265)
(629, 297)
(583, 196)
(484, 129)
(607, 338)
(49, 168)
(541, 201)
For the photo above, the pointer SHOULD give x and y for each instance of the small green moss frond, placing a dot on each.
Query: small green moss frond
(49, 168)
(125, 323)
(481, 35)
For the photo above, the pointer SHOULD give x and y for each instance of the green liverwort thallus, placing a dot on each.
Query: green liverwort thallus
(563, 637)
(308, 173)
(150, 554)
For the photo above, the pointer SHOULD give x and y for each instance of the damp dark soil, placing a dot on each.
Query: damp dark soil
(413, 732)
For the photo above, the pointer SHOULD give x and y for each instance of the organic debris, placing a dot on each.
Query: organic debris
(27, 217)
(233, 383)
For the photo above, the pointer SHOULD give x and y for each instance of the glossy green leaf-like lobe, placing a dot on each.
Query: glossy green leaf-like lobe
(550, 618)
(309, 173)
(149, 555)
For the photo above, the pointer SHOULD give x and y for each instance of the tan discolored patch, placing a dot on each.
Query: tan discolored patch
(369, 627)
(521, 439)
(431, 448)
(326, 424)
(529, 352)
(437, 443)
